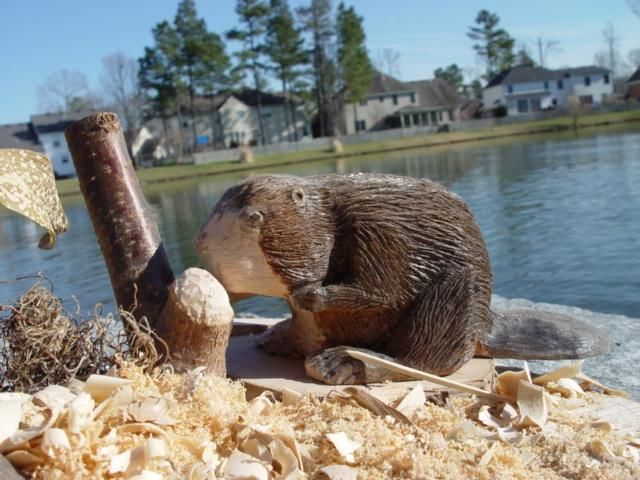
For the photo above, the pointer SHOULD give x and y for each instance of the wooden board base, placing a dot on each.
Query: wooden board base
(260, 371)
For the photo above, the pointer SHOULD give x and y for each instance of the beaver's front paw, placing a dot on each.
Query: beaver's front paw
(311, 298)
(277, 340)
(334, 366)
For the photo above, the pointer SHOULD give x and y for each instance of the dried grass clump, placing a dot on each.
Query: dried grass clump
(43, 344)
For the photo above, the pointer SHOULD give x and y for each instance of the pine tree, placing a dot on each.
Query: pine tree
(285, 48)
(253, 16)
(159, 76)
(355, 68)
(452, 75)
(494, 45)
(317, 19)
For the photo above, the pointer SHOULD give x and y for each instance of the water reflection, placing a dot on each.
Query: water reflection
(560, 215)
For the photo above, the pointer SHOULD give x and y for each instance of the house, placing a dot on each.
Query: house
(45, 134)
(633, 86)
(525, 89)
(231, 119)
(391, 103)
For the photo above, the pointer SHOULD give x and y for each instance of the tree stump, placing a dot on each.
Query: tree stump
(196, 321)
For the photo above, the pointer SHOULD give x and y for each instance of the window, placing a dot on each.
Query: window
(413, 97)
(395, 99)
(407, 120)
(241, 113)
(440, 115)
(606, 78)
(587, 81)
(416, 119)
(523, 106)
(361, 125)
(510, 88)
(567, 75)
(381, 99)
(546, 85)
(363, 103)
(586, 99)
(56, 143)
(555, 102)
(424, 118)
(266, 115)
(434, 118)
(535, 104)
(560, 84)
(65, 159)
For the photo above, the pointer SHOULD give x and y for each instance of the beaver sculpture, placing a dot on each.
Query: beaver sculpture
(392, 264)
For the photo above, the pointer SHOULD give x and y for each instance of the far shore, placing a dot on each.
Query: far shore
(171, 173)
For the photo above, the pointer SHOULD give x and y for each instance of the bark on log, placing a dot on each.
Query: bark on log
(196, 322)
(127, 234)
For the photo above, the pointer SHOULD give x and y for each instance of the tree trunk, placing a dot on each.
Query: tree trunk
(128, 236)
(355, 119)
(191, 114)
(285, 109)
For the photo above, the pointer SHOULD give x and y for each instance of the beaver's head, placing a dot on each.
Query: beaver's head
(268, 235)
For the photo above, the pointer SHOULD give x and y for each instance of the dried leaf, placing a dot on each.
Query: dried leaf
(532, 404)
(343, 445)
(375, 405)
(28, 187)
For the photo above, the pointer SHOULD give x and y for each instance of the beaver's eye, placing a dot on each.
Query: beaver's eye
(254, 219)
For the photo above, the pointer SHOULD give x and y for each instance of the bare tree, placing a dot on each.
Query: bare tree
(65, 91)
(633, 58)
(610, 57)
(387, 60)
(119, 81)
(546, 48)
(635, 6)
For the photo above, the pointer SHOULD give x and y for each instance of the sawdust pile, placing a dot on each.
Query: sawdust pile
(197, 426)
(42, 344)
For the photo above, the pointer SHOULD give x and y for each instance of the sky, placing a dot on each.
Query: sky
(39, 37)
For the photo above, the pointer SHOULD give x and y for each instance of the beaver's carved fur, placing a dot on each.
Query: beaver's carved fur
(393, 264)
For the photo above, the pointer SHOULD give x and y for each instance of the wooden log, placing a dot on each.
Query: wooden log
(128, 236)
(196, 322)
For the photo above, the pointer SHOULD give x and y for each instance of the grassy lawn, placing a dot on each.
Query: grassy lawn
(177, 172)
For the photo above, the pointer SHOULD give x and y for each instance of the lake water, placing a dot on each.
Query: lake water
(560, 213)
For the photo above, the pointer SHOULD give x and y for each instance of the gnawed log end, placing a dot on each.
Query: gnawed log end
(196, 322)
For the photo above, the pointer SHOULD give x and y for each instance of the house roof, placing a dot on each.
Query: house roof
(434, 93)
(527, 73)
(19, 135)
(383, 83)
(635, 77)
(57, 122)
(204, 104)
(522, 74)
(587, 70)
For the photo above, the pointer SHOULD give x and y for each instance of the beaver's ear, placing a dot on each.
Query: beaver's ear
(298, 196)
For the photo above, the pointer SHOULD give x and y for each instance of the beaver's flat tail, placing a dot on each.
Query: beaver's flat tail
(540, 335)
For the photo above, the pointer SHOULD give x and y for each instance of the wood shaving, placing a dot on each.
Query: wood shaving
(217, 433)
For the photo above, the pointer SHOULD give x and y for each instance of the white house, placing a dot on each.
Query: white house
(44, 134)
(525, 89)
(231, 119)
(391, 103)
